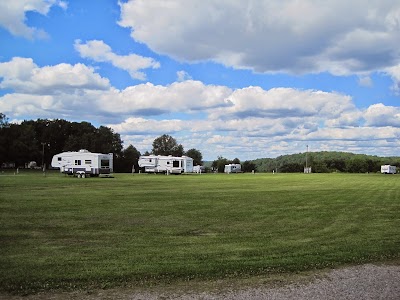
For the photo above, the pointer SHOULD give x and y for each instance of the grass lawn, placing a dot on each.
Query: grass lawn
(65, 232)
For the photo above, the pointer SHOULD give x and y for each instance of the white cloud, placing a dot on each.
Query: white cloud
(284, 103)
(149, 99)
(381, 115)
(365, 81)
(336, 36)
(394, 72)
(13, 15)
(23, 76)
(354, 134)
(138, 126)
(101, 52)
(183, 76)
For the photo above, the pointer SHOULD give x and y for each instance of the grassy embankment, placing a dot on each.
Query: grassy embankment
(64, 232)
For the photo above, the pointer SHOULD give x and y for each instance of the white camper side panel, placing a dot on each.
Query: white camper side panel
(83, 161)
(170, 164)
(149, 163)
(233, 168)
(188, 164)
(388, 169)
(166, 164)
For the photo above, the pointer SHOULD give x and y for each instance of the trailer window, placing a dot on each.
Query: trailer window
(176, 164)
(78, 162)
(59, 158)
(88, 161)
(105, 163)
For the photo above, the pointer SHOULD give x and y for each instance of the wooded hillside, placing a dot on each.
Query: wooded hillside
(325, 162)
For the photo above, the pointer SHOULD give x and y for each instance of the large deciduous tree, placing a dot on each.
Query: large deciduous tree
(167, 145)
(128, 160)
(196, 155)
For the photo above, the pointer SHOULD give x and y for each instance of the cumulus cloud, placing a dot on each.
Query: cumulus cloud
(23, 76)
(271, 36)
(149, 99)
(141, 126)
(183, 76)
(284, 102)
(13, 15)
(101, 52)
(394, 72)
(381, 115)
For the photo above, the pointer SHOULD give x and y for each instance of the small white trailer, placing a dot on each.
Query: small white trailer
(199, 169)
(388, 169)
(83, 163)
(233, 168)
(166, 164)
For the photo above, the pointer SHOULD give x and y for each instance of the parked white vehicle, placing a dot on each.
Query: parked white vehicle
(166, 164)
(233, 168)
(83, 163)
(388, 169)
(199, 169)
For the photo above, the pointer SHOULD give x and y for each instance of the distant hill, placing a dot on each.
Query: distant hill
(324, 162)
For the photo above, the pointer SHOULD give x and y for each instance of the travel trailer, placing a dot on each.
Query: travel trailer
(233, 168)
(83, 163)
(388, 169)
(166, 164)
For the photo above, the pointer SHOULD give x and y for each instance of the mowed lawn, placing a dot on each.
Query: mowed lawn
(65, 232)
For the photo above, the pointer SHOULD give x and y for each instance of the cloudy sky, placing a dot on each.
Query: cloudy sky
(246, 79)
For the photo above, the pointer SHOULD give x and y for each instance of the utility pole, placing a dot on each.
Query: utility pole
(307, 169)
(43, 154)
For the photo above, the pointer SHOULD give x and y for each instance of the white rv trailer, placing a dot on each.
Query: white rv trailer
(388, 169)
(166, 164)
(83, 162)
(233, 168)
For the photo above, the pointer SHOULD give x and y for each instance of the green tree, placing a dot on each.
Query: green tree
(235, 161)
(219, 164)
(196, 155)
(248, 166)
(357, 165)
(167, 145)
(127, 160)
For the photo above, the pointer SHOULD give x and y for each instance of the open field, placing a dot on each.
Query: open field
(70, 233)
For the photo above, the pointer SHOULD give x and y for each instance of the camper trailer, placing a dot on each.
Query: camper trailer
(166, 164)
(83, 163)
(233, 168)
(388, 169)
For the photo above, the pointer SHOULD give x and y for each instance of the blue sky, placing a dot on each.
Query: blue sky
(245, 79)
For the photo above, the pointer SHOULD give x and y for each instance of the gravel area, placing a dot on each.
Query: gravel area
(359, 282)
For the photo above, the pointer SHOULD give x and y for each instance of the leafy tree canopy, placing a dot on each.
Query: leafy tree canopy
(40, 140)
(196, 155)
(167, 145)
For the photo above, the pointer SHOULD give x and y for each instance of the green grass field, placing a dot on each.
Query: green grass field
(62, 232)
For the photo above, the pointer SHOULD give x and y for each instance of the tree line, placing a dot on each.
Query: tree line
(325, 162)
(218, 165)
(39, 140)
